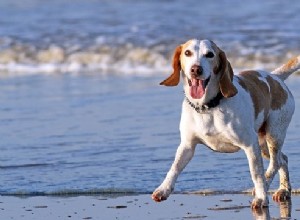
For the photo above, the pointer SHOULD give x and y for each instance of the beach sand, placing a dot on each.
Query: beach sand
(178, 206)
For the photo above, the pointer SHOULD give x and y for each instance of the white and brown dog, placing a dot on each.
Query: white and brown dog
(227, 112)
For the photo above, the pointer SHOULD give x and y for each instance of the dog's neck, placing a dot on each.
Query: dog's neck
(212, 103)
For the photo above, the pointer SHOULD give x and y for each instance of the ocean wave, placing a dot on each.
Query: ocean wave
(26, 58)
(125, 59)
(24, 166)
(76, 192)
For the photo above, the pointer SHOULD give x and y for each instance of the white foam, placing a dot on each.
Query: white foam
(123, 59)
(74, 67)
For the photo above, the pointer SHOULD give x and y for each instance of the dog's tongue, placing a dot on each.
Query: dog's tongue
(197, 89)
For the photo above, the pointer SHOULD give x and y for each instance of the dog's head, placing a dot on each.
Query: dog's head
(201, 62)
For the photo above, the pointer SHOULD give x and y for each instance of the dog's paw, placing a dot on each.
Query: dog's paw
(281, 195)
(259, 203)
(160, 194)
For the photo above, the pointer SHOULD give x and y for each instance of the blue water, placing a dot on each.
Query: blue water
(80, 105)
(138, 37)
(89, 133)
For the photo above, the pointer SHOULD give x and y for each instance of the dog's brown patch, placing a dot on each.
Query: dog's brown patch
(289, 65)
(263, 129)
(226, 86)
(174, 78)
(184, 46)
(177, 64)
(279, 95)
(258, 89)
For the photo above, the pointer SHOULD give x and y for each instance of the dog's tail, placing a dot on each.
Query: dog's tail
(287, 69)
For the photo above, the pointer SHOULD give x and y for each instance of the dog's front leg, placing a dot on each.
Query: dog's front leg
(257, 173)
(183, 156)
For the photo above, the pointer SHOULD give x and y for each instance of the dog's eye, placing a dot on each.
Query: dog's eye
(209, 54)
(188, 53)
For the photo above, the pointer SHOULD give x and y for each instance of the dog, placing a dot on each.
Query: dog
(226, 112)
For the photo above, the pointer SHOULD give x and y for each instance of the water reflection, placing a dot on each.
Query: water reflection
(285, 209)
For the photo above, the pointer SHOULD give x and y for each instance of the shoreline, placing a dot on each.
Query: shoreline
(140, 206)
(128, 192)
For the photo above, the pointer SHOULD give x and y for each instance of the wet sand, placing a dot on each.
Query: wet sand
(178, 206)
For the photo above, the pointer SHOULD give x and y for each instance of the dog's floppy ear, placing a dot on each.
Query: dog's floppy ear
(226, 86)
(174, 78)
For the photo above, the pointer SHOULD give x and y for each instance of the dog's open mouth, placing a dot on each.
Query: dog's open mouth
(197, 87)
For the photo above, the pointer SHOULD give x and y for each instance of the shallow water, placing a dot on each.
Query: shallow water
(89, 133)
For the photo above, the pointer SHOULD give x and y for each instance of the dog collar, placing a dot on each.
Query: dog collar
(214, 102)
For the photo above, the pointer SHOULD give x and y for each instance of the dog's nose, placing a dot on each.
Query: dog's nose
(196, 70)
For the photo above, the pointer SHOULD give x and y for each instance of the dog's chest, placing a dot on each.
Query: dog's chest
(214, 133)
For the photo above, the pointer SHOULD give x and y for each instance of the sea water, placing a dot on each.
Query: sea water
(81, 110)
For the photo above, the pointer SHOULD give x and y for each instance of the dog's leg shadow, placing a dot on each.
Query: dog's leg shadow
(261, 213)
(285, 210)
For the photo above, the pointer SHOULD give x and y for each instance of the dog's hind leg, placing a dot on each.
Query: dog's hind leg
(274, 148)
(284, 191)
(278, 163)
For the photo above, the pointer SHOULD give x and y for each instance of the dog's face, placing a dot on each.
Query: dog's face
(198, 60)
(201, 61)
